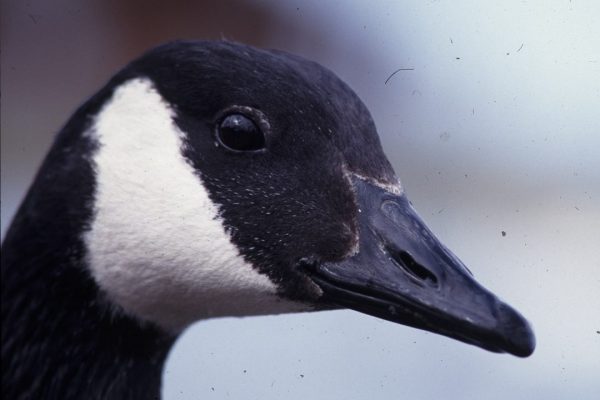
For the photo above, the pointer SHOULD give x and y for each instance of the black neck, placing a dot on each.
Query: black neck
(60, 338)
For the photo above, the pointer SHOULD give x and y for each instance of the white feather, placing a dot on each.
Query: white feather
(157, 245)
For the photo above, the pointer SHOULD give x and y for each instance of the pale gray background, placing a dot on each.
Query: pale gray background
(496, 129)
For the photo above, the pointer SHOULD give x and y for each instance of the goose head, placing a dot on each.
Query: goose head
(234, 181)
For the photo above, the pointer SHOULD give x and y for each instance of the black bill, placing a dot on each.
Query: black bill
(402, 273)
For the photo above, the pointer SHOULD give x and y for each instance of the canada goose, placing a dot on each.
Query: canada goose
(213, 179)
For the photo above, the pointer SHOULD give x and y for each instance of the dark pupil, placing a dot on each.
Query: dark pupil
(238, 132)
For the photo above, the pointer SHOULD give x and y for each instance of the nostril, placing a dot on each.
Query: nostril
(405, 261)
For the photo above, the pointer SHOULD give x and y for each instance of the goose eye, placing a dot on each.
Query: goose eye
(240, 133)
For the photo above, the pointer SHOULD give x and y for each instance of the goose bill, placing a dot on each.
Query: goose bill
(402, 273)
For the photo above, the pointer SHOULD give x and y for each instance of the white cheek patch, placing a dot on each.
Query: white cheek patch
(157, 245)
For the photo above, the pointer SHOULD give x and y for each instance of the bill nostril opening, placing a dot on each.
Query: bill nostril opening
(405, 261)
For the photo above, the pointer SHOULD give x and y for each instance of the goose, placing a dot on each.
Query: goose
(212, 179)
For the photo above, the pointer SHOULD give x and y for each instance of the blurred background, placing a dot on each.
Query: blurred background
(494, 128)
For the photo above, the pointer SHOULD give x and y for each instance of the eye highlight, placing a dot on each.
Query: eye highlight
(239, 133)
